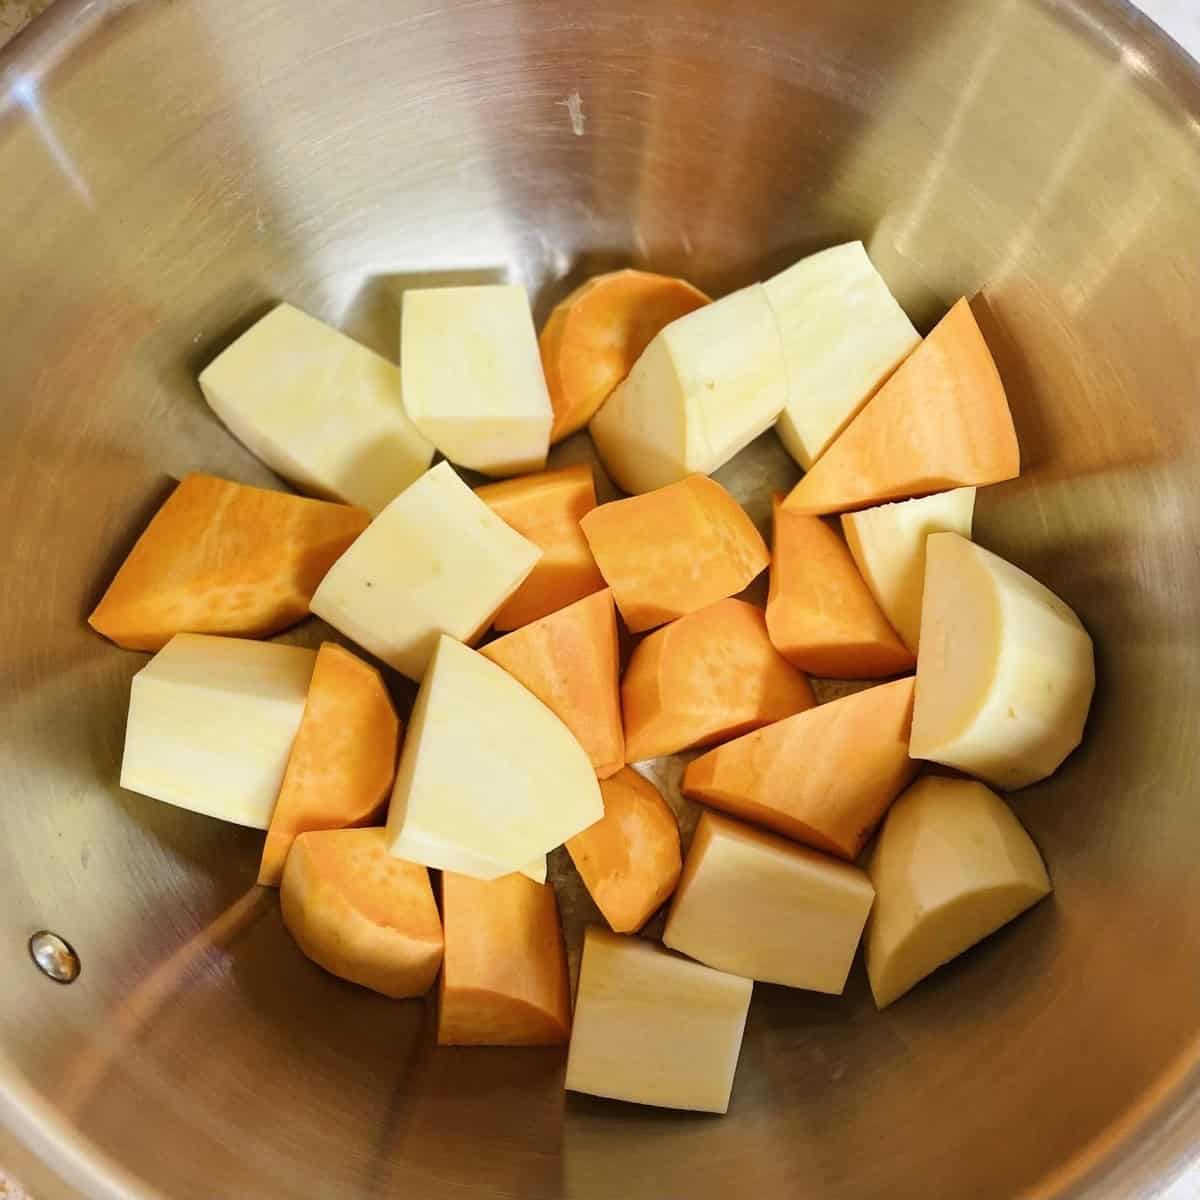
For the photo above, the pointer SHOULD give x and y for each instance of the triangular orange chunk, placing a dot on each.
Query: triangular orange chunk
(824, 777)
(570, 661)
(941, 421)
(224, 558)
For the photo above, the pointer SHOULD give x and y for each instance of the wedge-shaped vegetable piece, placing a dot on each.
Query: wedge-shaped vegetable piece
(824, 777)
(473, 381)
(706, 386)
(343, 760)
(820, 614)
(630, 860)
(504, 981)
(436, 560)
(941, 421)
(951, 866)
(318, 409)
(653, 1028)
(223, 558)
(547, 508)
(211, 724)
(757, 905)
(1006, 671)
(888, 544)
(596, 334)
(709, 676)
(843, 335)
(570, 661)
(361, 913)
(536, 870)
(674, 551)
(489, 777)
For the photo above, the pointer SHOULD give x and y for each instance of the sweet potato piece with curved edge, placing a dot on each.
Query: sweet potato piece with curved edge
(820, 613)
(343, 760)
(546, 508)
(593, 337)
(940, 422)
(824, 777)
(570, 661)
(675, 550)
(504, 977)
(709, 676)
(224, 558)
(360, 913)
(630, 859)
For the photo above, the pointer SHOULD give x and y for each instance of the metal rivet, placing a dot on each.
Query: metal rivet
(54, 957)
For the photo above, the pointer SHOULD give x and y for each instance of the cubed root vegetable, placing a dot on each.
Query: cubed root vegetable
(436, 560)
(361, 913)
(630, 859)
(888, 544)
(824, 777)
(319, 409)
(951, 866)
(820, 614)
(489, 777)
(570, 661)
(675, 550)
(653, 1028)
(1006, 672)
(504, 978)
(708, 676)
(843, 335)
(706, 386)
(340, 769)
(224, 558)
(757, 905)
(473, 383)
(546, 508)
(941, 421)
(594, 336)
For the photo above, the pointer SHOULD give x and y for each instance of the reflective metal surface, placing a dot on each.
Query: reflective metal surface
(167, 170)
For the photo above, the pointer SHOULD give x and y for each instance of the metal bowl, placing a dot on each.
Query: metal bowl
(170, 169)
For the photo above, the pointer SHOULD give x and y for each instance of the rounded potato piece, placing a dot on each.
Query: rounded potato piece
(594, 336)
(1005, 673)
(630, 859)
(951, 866)
(360, 913)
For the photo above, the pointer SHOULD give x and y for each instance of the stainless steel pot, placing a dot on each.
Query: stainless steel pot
(169, 169)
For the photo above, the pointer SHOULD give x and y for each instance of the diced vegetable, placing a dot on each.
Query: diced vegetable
(951, 866)
(570, 661)
(436, 560)
(318, 409)
(343, 760)
(843, 335)
(361, 913)
(756, 905)
(1006, 672)
(706, 386)
(820, 614)
(489, 777)
(940, 422)
(654, 1028)
(708, 676)
(630, 859)
(211, 724)
(888, 544)
(473, 381)
(674, 551)
(547, 508)
(223, 558)
(504, 979)
(596, 334)
(824, 777)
